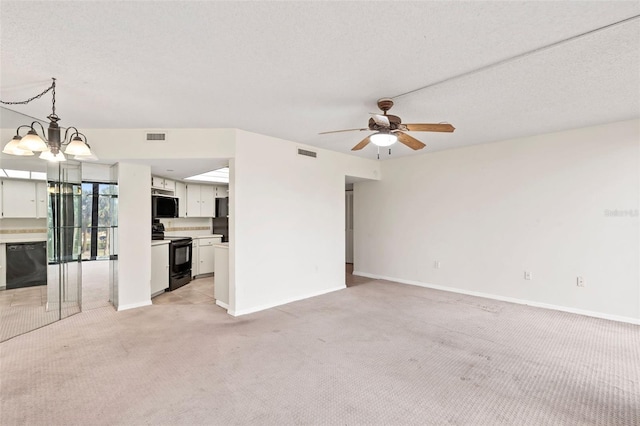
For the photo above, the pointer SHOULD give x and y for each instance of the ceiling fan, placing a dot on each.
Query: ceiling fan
(390, 129)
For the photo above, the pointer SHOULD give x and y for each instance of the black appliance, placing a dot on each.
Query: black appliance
(222, 207)
(157, 230)
(163, 206)
(26, 264)
(221, 226)
(180, 254)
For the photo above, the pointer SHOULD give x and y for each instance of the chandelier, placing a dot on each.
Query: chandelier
(49, 146)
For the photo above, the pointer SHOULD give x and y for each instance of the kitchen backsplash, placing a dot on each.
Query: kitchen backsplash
(22, 230)
(187, 226)
(23, 226)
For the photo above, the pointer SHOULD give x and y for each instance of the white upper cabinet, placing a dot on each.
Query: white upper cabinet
(163, 184)
(207, 201)
(19, 199)
(200, 200)
(193, 200)
(41, 199)
(181, 194)
(222, 191)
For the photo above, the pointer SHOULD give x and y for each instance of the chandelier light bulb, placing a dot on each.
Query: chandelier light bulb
(383, 139)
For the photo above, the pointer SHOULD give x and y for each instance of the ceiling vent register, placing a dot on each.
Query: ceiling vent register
(156, 136)
(307, 153)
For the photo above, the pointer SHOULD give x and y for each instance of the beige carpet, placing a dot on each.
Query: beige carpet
(374, 353)
(24, 309)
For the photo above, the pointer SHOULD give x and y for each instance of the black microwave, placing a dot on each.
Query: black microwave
(163, 206)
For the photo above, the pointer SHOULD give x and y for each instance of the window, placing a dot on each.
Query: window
(99, 220)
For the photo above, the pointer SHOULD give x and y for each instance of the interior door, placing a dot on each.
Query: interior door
(349, 225)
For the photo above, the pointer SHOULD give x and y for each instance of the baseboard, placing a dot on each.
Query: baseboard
(133, 305)
(237, 313)
(594, 314)
(222, 304)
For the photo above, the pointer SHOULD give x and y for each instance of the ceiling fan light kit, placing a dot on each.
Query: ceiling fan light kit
(383, 139)
(50, 147)
(389, 129)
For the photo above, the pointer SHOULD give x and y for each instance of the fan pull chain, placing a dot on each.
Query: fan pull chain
(378, 153)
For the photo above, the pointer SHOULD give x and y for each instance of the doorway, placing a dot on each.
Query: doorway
(348, 221)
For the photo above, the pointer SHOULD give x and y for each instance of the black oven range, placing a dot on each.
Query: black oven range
(180, 252)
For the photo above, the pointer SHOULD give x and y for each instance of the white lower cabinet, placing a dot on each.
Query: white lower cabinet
(207, 264)
(3, 266)
(195, 258)
(203, 257)
(159, 268)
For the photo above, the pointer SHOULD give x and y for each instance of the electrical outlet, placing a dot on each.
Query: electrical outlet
(580, 282)
(436, 264)
(528, 275)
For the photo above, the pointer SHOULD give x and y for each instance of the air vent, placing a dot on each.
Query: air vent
(307, 153)
(156, 136)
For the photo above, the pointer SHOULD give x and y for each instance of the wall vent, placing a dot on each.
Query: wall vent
(307, 153)
(156, 136)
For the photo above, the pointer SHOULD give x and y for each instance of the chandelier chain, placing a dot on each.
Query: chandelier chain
(38, 96)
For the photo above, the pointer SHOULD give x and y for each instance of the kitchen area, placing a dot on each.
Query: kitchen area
(189, 224)
(59, 242)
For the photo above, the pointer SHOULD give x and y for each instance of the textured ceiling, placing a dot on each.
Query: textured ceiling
(293, 69)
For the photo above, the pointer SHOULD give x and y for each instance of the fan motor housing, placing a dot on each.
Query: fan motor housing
(385, 104)
(394, 121)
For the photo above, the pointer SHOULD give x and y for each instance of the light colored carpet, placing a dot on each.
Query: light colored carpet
(374, 353)
(24, 309)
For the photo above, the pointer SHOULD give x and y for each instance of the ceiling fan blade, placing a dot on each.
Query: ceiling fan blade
(409, 141)
(338, 131)
(364, 142)
(425, 127)
(381, 120)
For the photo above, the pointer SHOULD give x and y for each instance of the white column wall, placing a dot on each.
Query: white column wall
(487, 213)
(134, 231)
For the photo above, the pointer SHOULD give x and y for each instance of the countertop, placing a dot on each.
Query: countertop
(159, 242)
(208, 236)
(10, 239)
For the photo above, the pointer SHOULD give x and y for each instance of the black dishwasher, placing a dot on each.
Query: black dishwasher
(26, 264)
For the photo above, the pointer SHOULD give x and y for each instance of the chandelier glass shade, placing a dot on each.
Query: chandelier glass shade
(32, 142)
(12, 147)
(50, 146)
(49, 156)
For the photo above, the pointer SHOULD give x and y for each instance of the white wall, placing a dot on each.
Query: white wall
(134, 230)
(121, 144)
(92, 172)
(288, 221)
(490, 212)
